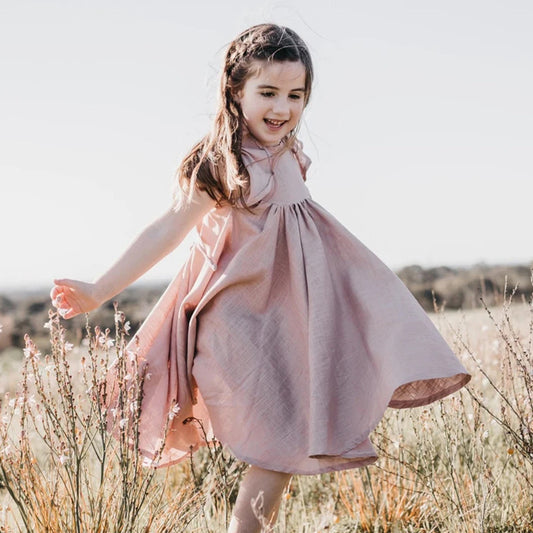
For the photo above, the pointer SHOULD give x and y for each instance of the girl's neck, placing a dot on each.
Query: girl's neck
(249, 139)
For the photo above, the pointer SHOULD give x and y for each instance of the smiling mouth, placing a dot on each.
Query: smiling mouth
(274, 123)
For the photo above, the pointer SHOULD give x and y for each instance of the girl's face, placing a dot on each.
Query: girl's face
(272, 101)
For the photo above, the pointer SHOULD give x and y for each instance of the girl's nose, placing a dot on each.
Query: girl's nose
(281, 106)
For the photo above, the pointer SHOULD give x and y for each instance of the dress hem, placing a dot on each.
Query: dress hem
(349, 464)
(426, 400)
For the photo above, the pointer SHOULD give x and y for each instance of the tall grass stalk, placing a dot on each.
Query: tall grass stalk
(59, 461)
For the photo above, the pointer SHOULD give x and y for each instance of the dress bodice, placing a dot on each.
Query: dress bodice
(276, 174)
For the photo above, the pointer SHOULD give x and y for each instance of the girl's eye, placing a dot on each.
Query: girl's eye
(270, 94)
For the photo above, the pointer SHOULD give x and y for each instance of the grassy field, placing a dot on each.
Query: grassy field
(464, 464)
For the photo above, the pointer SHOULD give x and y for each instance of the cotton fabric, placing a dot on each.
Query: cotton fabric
(283, 336)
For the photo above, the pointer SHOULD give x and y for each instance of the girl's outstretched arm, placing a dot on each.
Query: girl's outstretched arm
(158, 239)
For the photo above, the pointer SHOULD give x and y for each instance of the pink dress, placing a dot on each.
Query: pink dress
(285, 335)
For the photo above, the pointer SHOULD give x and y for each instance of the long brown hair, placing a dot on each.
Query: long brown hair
(214, 164)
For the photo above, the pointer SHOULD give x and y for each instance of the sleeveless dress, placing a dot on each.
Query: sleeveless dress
(284, 336)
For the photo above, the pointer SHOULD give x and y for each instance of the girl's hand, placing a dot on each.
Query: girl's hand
(72, 297)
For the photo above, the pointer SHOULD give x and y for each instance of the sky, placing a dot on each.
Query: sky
(420, 125)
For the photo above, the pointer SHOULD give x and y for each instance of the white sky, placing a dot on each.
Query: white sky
(420, 126)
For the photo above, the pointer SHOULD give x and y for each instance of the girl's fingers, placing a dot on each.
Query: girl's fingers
(56, 297)
(61, 305)
(59, 298)
(57, 294)
(67, 310)
(56, 290)
(70, 283)
(67, 313)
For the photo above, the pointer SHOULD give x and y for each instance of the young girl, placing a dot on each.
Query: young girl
(282, 333)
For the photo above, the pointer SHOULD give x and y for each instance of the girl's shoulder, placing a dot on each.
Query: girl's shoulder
(303, 159)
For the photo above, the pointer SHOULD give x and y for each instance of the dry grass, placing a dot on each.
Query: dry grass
(464, 464)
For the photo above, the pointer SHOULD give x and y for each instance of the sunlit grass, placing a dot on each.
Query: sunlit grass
(464, 464)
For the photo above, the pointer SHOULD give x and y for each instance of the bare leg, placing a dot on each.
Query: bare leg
(264, 487)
